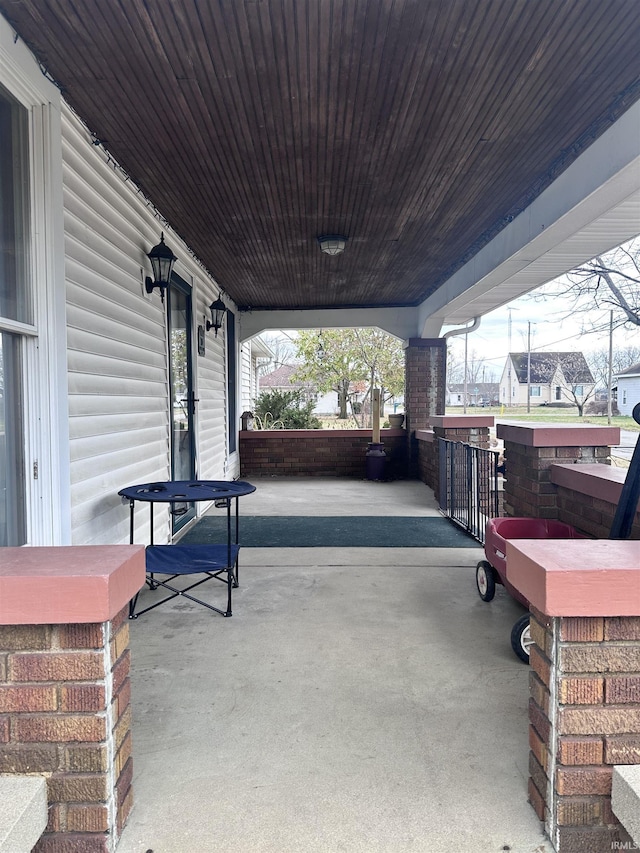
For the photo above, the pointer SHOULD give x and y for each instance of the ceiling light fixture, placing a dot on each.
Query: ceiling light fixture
(332, 244)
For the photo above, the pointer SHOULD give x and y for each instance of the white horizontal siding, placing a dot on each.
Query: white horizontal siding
(247, 363)
(117, 350)
(631, 385)
(212, 419)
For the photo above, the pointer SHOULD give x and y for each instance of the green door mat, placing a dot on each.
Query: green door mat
(296, 531)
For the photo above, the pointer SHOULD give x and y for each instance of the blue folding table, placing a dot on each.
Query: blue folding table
(214, 562)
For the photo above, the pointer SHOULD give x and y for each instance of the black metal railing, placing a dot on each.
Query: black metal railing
(468, 485)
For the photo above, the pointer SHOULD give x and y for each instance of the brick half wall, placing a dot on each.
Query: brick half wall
(318, 453)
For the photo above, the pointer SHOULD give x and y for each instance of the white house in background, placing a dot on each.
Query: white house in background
(281, 379)
(478, 394)
(103, 384)
(552, 377)
(253, 353)
(628, 389)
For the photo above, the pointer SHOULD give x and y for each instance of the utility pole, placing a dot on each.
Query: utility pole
(509, 362)
(529, 367)
(610, 373)
(466, 373)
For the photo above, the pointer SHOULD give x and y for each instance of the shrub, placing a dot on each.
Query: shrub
(284, 410)
(599, 407)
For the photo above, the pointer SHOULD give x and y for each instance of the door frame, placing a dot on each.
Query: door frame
(180, 285)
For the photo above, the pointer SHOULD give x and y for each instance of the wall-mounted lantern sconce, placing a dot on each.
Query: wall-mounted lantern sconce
(162, 261)
(218, 310)
(332, 244)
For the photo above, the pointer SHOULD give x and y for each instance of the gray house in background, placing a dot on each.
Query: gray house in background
(628, 389)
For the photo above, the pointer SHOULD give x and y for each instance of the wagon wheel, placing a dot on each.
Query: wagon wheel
(521, 640)
(485, 580)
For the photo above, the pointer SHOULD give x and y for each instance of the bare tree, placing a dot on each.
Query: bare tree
(455, 365)
(608, 282)
(623, 357)
(478, 370)
(578, 387)
(282, 346)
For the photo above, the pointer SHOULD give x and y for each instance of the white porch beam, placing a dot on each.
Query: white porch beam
(400, 322)
(591, 207)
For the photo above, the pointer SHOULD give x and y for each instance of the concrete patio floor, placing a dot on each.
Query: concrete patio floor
(358, 700)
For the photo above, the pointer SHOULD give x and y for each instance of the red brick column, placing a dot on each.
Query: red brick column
(425, 381)
(531, 450)
(64, 687)
(584, 706)
(468, 429)
(427, 457)
(584, 718)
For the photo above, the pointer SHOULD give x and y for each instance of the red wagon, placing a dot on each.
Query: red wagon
(494, 569)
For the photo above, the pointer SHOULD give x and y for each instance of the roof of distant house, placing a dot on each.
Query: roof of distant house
(634, 370)
(473, 387)
(281, 378)
(545, 364)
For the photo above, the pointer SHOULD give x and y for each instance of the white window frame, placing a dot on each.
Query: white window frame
(43, 343)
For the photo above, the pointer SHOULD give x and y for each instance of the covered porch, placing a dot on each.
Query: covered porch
(359, 699)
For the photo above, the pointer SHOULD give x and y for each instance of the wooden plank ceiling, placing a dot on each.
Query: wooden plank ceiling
(416, 128)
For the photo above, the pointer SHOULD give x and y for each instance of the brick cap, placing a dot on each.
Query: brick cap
(425, 435)
(577, 577)
(68, 584)
(598, 481)
(427, 343)
(457, 421)
(559, 435)
(310, 434)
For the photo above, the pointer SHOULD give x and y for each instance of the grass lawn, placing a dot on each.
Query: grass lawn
(546, 414)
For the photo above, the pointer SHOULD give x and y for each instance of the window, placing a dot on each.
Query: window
(14, 311)
(534, 391)
(579, 391)
(624, 396)
(558, 392)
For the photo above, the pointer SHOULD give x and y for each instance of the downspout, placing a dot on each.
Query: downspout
(465, 331)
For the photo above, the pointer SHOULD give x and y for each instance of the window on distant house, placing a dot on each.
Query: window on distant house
(579, 390)
(624, 396)
(558, 392)
(535, 391)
